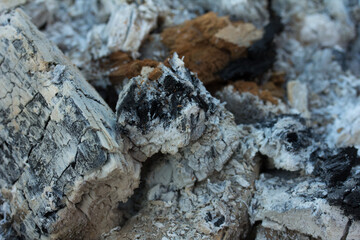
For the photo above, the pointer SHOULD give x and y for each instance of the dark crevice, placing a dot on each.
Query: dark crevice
(346, 230)
(219, 221)
(135, 203)
(38, 230)
(109, 95)
(292, 137)
(265, 164)
(43, 26)
(30, 151)
(89, 96)
(284, 174)
(44, 129)
(253, 231)
(72, 165)
(266, 167)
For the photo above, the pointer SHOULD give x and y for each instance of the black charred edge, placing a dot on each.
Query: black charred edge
(208, 217)
(261, 54)
(220, 221)
(343, 186)
(177, 95)
(335, 169)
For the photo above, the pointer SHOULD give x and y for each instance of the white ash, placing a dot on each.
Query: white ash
(176, 12)
(297, 94)
(331, 89)
(248, 108)
(345, 131)
(353, 51)
(88, 30)
(286, 141)
(332, 99)
(354, 231)
(68, 22)
(40, 12)
(10, 4)
(266, 233)
(137, 23)
(213, 208)
(6, 232)
(298, 204)
(297, 15)
(319, 28)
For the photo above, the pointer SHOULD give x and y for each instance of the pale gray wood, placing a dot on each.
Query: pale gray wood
(62, 165)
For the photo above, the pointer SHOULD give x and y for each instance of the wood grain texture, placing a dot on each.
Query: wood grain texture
(62, 165)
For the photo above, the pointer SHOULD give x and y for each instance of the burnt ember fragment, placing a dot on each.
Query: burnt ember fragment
(169, 96)
(342, 179)
(335, 169)
(220, 221)
(285, 140)
(260, 55)
(167, 113)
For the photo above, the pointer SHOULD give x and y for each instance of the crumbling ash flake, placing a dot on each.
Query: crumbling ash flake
(248, 108)
(297, 204)
(212, 208)
(285, 140)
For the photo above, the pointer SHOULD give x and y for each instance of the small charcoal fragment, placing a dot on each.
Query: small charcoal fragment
(220, 221)
(342, 181)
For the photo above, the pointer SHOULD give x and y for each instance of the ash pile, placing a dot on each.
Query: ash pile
(159, 119)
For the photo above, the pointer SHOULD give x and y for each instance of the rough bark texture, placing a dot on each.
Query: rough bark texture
(62, 165)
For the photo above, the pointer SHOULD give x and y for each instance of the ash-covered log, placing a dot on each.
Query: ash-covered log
(63, 166)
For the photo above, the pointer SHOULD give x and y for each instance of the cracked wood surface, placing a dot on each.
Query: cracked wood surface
(62, 166)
